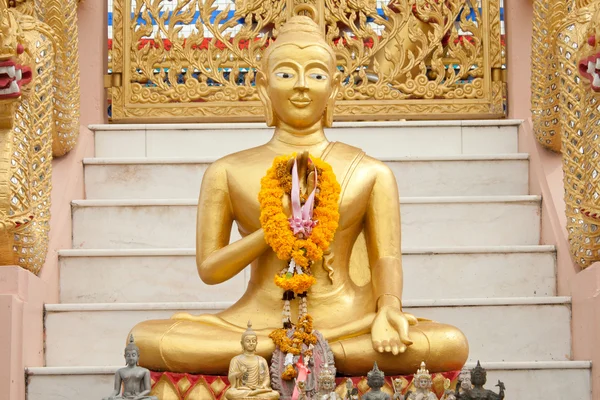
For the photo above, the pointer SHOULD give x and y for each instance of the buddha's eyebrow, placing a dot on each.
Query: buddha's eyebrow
(286, 63)
(319, 64)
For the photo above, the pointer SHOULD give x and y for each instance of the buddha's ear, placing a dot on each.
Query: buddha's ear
(336, 82)
(261, 85)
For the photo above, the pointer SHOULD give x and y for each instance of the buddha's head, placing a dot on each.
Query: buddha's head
(249, 339)
(478, 375)
(299, 80)
(132, 353)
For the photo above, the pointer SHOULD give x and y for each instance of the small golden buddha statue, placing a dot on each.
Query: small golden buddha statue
(249, 373)
(357, 308)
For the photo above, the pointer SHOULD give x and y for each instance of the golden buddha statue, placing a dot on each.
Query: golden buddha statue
(358, 309)
(249, 373)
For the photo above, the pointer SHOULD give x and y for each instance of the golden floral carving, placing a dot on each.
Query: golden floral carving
(215, 60)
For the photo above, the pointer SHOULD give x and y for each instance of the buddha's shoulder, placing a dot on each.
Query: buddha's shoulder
(366, 161)
(375, 166)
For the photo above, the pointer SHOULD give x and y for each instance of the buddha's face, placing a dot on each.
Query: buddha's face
(299, 83)
(249, 343)
(131, 357)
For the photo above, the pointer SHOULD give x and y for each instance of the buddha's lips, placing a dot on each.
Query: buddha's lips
(12, 77)
(589, 68)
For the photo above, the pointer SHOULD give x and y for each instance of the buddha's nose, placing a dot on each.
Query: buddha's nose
(301, 82)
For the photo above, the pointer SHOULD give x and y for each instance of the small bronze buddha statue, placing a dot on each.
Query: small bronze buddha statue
(132, 382)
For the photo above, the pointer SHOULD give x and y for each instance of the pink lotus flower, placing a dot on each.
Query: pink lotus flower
(301, 221)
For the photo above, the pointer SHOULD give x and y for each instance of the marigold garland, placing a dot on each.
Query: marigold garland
(299, 251)
(296, 283)
(302, 335)
(274, 222)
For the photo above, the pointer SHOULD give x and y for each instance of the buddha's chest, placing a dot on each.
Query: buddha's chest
(133, 376)
(245, 186)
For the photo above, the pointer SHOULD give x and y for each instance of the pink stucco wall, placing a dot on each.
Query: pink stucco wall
(67, 178)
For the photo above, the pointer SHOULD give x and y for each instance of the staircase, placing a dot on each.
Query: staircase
(470, 233)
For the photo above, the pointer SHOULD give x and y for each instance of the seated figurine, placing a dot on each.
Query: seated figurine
(132, 379)
(249, 373)
(376, 380)
(422, 382)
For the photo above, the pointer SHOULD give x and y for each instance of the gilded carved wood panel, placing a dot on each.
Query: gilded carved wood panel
(193, 60)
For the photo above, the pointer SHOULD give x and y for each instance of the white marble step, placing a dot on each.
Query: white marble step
(163, 275)
(523, 380)
(462, 175)
(426, 222)
(378, 139)
(503, 329)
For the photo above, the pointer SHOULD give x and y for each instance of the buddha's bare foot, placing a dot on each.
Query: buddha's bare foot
(389, 332)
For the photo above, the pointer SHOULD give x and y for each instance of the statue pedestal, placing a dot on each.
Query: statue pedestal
(177, 386)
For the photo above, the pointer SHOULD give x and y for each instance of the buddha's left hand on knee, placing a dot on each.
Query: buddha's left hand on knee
(389, 332)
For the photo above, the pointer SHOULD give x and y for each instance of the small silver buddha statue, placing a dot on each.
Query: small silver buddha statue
(132, 382)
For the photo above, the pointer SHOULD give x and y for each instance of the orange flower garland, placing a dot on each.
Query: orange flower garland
(301, 250)
(274, 185)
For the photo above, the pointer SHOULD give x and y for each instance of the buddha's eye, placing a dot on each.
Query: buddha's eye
(284, 75)
(318, 76)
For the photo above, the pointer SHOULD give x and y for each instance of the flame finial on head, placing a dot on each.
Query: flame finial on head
(131, 345)
(249, 331)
